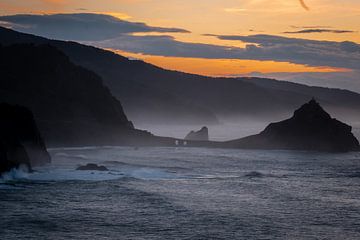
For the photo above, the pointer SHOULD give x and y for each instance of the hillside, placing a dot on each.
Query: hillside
(71, 105)
(151, 94)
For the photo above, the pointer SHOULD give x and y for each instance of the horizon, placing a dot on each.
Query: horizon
(321, 44)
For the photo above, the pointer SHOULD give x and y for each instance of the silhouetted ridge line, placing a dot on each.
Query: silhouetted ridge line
(171, 97)
(70, 103)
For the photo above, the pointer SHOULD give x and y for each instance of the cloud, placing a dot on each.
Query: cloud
(167, 46)
(80, 26)
(304, 5)
(315, 26)
(109, 32)
(259, 47)
(319, 30)
(301, 51)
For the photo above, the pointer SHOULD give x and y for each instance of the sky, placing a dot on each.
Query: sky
(316, 42)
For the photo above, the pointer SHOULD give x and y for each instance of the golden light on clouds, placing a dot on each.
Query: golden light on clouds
(219, 17)
(225, 67)
(119, 15)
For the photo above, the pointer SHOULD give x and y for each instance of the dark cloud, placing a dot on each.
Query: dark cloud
(168, 46)
(319, 30)
(302, 51)
(109, 32)
(80, 26)
(259, 47)
(319, 26)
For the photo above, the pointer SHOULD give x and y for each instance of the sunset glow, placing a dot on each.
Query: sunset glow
(226, 67)
(328, 20)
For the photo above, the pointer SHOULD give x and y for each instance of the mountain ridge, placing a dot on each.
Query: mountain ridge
(173, 97)
(71, 104)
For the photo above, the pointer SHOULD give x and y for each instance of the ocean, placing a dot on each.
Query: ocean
(184, 193)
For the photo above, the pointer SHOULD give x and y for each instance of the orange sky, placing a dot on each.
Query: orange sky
(226, 17)
(225, 67)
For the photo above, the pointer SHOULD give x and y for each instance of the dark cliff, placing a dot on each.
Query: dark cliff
(70, 103)
(20, 140)
(310, 128)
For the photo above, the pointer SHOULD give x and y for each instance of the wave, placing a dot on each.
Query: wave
(55, 174)
(13, 174)
(86, 148)
(152, 174)
(66, 155)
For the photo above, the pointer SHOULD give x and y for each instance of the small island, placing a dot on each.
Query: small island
(201, 135)
(311, 128)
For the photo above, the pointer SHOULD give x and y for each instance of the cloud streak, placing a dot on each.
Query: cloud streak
(319, 30)
(304, 5)
(259, 47)
(80, 26)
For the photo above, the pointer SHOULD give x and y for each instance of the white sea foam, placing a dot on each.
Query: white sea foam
(69, 175)
(14, 174)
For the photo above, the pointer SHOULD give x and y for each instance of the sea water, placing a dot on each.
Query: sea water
(184, 193)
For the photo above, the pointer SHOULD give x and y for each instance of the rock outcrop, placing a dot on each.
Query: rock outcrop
(13, 156)
(310, 128)
(70, 103)
(92, 167)
(20, 140)
(201, 135)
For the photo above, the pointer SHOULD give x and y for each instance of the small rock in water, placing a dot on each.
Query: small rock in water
(92, 167)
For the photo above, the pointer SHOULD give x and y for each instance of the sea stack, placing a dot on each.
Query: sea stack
(201, 135)
(20, 140)
(310, 128)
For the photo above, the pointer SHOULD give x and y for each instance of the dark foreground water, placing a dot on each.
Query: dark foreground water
(168, 193)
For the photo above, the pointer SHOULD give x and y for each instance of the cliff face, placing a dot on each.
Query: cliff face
(20, 139)
(12, 156)
(310, 128)
(70, 103)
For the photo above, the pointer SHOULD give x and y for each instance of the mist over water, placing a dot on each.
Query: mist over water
(220, 132)
(227, 130)
(185, 193)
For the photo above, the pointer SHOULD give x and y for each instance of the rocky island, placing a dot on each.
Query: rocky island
(310, 128)
(201, 135)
